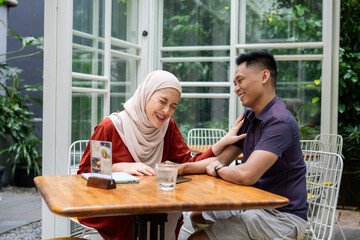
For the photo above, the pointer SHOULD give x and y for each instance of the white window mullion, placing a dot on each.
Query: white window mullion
(85, 76)
(326, 66)
(195, 59)
(194, 48)
(147, 43)
(335, 66)
(160, 33)
(206, 95)
(95, 62)
(234, 107)
(280, 45)
(57, 102)
(107, 56)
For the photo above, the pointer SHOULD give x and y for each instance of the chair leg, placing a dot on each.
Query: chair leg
(341, 230)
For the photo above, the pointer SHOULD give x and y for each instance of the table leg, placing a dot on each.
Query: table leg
(135, 229)
(156, 220)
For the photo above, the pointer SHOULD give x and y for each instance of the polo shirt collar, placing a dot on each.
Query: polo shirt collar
(263, 113)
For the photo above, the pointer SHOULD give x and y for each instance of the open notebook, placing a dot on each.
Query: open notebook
(119, 177)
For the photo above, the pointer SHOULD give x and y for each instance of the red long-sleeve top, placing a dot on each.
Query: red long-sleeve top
(175, 150)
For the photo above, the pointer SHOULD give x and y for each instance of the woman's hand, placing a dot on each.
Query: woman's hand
(139, 169)
(231, 137)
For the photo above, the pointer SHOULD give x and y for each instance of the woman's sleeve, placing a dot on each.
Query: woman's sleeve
(179, 152)
(101, 133)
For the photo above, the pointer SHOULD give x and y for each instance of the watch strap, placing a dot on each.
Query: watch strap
(217, 168)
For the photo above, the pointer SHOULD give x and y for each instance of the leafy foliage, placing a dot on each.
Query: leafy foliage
(349, 74)
(16, 118)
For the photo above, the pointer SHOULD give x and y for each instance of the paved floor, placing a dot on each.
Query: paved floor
(18, 209)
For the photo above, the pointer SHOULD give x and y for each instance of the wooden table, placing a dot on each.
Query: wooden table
(69, 196)
(203, 148)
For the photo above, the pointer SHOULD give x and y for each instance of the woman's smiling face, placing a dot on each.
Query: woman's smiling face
(162, 105)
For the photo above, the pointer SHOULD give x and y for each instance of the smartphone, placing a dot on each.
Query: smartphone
(182, 179)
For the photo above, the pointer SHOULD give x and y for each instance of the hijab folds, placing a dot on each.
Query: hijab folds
(144, 142)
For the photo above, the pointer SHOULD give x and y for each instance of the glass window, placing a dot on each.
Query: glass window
(299, 84)
(86, 110)
(124, 24)
(196, 23)
(88, 37)
(195, 45)
(299, 68)
(203, 24)
(123, 82)
(283, 21)
(201, 113)
(90, 82)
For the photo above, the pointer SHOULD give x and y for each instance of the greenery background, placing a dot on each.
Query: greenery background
(349, 100)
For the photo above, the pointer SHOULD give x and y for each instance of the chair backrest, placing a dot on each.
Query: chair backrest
(76, 151)
(323, 177)
(331, 142)
(204, 136)
(313, 145)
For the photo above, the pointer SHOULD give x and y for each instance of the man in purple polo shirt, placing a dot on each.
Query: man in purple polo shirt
(272, 160)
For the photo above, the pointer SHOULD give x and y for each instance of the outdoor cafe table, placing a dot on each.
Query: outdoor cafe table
(68, 195)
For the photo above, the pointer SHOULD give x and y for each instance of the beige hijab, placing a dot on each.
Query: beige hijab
(144, 141)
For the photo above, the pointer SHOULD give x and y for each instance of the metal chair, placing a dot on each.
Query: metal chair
(76, 151)
(313, 145)
(331, 142)
(205, 136)
(323, 179)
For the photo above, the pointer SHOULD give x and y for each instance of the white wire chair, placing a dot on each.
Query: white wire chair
(323, 178)
(313, 145)
(200, 139)
(76, 151)
(203, 138)
(331, 142)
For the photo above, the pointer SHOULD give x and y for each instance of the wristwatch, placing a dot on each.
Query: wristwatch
(217, 168)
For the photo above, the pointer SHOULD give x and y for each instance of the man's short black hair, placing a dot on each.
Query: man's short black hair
(261, 60)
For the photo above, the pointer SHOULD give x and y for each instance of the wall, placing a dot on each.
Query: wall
(28, 19)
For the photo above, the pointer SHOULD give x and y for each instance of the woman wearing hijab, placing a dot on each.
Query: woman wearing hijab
(142, 135)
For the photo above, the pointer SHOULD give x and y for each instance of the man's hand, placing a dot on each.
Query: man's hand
(210, 168)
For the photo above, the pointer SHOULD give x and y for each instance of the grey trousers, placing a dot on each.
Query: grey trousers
(255, 224)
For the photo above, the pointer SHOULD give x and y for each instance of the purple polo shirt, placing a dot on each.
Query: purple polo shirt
(275, 130)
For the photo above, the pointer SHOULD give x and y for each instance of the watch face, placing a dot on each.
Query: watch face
(217, 167)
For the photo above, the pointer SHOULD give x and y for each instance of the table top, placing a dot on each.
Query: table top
(68, 195)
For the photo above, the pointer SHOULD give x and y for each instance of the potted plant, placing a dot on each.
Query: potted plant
(23, 150)
(15, 120)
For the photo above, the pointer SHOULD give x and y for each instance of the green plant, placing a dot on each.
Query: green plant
(352, 141)
(349, 80)
(16, 122)
(15, 116)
